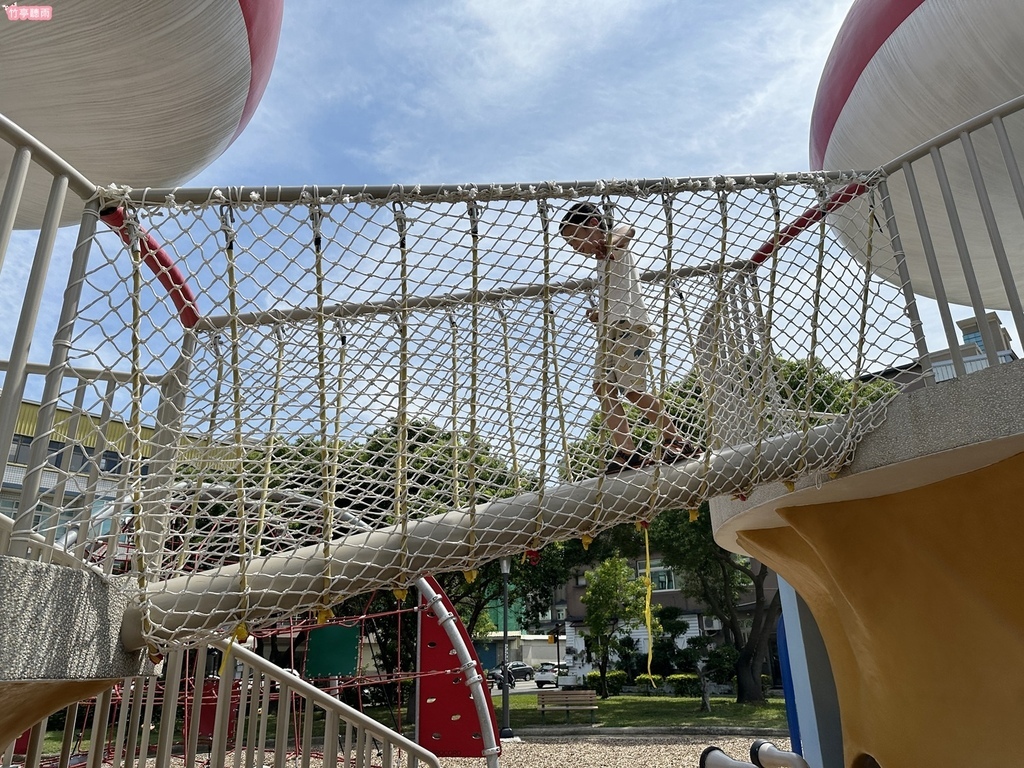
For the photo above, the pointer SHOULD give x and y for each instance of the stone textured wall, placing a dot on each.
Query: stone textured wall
(59, 623)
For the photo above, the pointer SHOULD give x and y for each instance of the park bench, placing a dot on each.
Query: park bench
(567, 701)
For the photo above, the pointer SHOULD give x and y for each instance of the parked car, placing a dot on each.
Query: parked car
(548, 674)
(521, 670)
(518, 670)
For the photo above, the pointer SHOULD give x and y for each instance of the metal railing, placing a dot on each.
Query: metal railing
(253, 714)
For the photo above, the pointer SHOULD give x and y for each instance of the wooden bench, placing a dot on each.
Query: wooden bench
(567, 701)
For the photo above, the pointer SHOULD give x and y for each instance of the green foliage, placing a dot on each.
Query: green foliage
(615, 601)
(721, 664)
(684, 684)
(808, 385)
(615, 679)
(702, 568)
(631, 659)
(666, 656)
(722, 581)
(650, 682)
(483, 626)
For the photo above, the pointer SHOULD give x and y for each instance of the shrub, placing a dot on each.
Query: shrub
(615, 678)
(684, 684)
(650, 682)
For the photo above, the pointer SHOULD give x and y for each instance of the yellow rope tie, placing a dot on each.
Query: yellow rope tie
(509, 404)
(241, 634)
(769, 385)
(862, 329)
(648, 595)
(812, 352)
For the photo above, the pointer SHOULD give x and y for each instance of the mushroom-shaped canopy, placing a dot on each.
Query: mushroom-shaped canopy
(141, 94)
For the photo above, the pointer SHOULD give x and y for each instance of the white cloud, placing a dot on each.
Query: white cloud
(410, 92)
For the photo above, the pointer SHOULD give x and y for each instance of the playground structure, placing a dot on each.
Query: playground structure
(318, 393)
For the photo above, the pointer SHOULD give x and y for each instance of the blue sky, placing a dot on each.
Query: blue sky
(415, 92)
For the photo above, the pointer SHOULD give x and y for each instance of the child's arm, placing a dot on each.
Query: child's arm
(621, 236)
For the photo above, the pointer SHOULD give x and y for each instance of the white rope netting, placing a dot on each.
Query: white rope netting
(378, 386)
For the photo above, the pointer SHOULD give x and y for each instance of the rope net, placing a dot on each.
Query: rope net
(380, 386)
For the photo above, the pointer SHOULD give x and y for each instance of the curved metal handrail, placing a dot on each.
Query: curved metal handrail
(53, 163)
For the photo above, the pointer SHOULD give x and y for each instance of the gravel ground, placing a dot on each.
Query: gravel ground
(568, 750)
(615, 751)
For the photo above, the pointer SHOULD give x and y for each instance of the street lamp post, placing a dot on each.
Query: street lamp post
(506, 729)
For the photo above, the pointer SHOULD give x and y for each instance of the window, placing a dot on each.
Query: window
(662, 578)
(80, 456)
(110, 461)
(54, 452)
(974, 337)
(22, 444)
(19, 449)
(9, 507)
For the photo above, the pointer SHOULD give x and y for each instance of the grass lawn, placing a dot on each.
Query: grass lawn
(615, 712)
(652, 711)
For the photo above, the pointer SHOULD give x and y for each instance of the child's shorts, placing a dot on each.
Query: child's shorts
(624, 359)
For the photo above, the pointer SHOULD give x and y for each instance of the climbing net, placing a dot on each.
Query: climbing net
(328, 392)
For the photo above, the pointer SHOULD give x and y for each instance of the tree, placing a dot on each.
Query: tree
(533, 586)
(615, 601)
(666, 656)
(721, 580)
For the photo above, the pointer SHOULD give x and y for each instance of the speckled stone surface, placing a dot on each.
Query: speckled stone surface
(59, 623)
(979, 408)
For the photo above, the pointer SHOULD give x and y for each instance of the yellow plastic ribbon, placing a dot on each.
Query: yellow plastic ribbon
(648, 611)
(241, 634)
